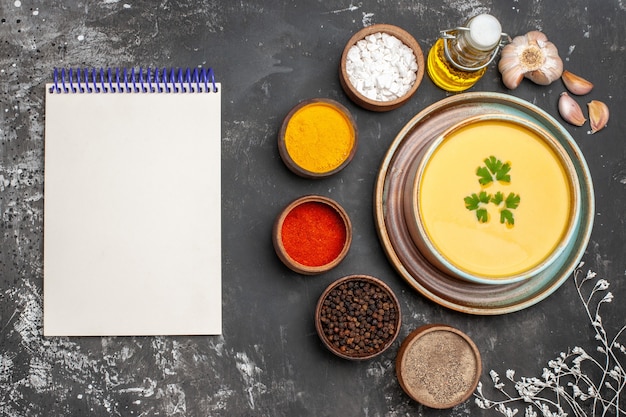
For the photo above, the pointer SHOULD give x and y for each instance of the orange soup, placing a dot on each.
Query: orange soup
(495, 199)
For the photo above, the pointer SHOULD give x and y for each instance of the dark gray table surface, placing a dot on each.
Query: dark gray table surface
(269, 55)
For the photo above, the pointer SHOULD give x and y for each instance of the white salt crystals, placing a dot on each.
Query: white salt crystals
(381, 67)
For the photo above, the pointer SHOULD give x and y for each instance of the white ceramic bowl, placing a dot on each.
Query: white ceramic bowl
(476, 240)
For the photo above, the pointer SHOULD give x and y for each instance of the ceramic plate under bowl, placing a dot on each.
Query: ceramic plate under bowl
(399, 246)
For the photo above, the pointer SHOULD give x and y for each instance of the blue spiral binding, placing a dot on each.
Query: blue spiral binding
(114, 81)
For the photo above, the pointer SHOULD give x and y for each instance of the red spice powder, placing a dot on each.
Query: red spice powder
(313, 234)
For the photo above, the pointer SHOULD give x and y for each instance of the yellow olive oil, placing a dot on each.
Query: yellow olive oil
(460, 56)
(445, 75)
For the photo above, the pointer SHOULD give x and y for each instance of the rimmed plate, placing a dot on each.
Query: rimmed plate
(443, 289)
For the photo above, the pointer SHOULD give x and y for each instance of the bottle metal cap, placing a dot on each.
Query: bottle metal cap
(484, 33)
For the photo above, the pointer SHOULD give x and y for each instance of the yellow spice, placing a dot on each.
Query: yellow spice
(319, 137)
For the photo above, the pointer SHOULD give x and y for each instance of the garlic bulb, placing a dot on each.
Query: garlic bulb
(531, 56)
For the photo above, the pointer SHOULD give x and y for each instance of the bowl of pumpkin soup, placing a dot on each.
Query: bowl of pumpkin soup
(494, 199)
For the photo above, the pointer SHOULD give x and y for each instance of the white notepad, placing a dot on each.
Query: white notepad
(132, 226)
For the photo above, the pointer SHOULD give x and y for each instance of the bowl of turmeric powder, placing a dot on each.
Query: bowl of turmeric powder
(318, 138)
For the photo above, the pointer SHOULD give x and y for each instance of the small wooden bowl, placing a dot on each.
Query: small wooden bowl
(289, 259)
(438, 366)
(344, 159)
(350, 89)
(344, 337)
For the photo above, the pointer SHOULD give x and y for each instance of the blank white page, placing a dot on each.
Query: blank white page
(132, 227)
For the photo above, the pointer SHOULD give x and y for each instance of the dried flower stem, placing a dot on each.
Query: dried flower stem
(564, 386)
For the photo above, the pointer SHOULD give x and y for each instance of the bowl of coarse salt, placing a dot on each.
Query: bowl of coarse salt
(381, 67)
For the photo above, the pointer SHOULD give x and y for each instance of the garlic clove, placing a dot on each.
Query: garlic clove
(531, 55)
(576, 84)
(536, 36)
(509, 65)
(512, 74)
(598, 115)
(570, 110)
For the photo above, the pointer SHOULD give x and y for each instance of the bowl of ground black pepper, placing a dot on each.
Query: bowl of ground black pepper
(312, 234)
(438, 366)
(381, 67)
(358, 317)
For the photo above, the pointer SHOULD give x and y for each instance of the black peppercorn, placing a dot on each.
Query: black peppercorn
(358, 318)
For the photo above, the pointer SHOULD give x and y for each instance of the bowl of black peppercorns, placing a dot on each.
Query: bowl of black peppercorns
(358, 317)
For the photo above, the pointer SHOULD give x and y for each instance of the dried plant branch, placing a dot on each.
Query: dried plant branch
(566, 386)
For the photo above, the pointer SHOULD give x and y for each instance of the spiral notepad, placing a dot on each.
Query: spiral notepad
(132, 225)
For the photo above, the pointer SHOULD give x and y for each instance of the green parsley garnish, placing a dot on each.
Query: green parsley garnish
(493, 170)
(478, 202)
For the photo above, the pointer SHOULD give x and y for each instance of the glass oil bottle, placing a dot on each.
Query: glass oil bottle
(459, 58)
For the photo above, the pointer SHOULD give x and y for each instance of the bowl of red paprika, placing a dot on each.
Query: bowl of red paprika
(358, 317)
(312, 234)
